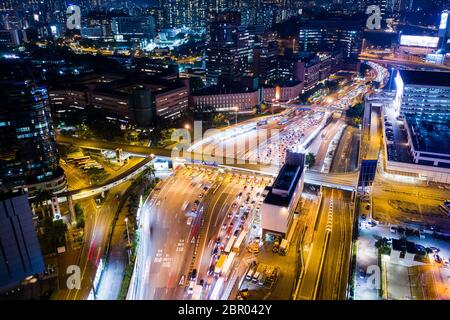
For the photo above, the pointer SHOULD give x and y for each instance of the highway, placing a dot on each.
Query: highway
(334, 277)
(391, 60)
(309, 281)
(346, 155)
(327, 258)
(166, 254)
(97, 227)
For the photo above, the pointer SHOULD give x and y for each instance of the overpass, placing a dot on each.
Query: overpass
(344, 181)
(402, 62)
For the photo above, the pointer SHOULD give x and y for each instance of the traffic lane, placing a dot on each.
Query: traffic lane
(333, 279)
(169, 225)
(164, 227)
(311, 274)
(100, 237)
(93, 248)
(217, 211)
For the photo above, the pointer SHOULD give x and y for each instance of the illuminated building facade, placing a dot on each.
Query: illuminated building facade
(29, 157)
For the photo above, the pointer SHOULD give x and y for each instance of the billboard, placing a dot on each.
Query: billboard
(419, 41)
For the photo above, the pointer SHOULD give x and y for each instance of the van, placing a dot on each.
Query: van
(256, 276)
(249, 274)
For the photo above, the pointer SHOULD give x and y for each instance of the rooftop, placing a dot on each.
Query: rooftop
(430, 133)
(425, 78)
(284, 185)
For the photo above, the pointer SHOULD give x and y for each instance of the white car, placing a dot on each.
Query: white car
(191, 287)
(189, 221)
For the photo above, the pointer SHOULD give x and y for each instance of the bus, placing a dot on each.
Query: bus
(230, 244)
(217, 288)
(220, 263)
(228, 264)
(238, 243)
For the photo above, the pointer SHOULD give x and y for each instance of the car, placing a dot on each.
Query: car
(437, 258)
(393, 229)
(445, 262)
(218, 240)
(200, 195)
(435, 250)
(191, 287)
(193, 275)
(211, 269)
(189, 221)
(234, 205)
(368, 207)
(181, 282)
(362, 273)
(215, 251)
(420, 247)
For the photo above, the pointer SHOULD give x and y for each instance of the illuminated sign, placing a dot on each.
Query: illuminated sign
(444, 19)
(419, 41)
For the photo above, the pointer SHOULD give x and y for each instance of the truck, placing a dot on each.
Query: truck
(230, 244)
(276, 245)
(239, 240)
(284, 246)
(220, 263)
(217, 288)
(228, 264)
(197, 292)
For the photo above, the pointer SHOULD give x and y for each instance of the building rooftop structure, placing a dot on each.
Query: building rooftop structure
(285, 184)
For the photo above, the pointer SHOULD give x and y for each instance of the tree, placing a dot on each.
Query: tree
(40, 200)
(310, 160)
(79, 215)
(218, 119)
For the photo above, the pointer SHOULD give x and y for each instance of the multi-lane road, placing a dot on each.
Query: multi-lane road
(170, 248)
(325, 273)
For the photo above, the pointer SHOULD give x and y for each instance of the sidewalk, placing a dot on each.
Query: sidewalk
(111, 282)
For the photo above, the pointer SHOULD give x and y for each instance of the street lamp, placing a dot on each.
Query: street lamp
(129, 243)
(187, 126)
(128, 233)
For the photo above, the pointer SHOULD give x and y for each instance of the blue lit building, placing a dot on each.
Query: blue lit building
(20, 253)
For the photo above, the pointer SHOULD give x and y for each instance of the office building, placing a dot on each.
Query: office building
(20, 253)
(281, 199)
(331, 35)
(229, 49)
(134, 28)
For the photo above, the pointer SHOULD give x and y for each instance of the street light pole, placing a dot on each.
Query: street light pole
(128, 238)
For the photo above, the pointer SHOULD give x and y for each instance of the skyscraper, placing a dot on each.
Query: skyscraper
(229, 49)
(28, 154)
